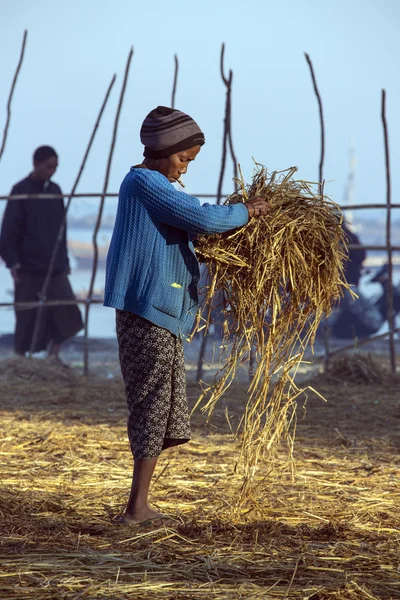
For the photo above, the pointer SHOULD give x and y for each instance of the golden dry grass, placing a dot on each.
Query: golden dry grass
(277, 276)
(333, 532)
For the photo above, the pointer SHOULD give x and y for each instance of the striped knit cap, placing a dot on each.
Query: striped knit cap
(166, 131)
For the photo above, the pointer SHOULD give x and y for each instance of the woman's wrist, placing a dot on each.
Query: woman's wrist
(250, 210)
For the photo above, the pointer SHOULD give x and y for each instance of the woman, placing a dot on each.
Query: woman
(151, 279)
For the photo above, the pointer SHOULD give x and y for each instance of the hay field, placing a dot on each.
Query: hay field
(333, 532)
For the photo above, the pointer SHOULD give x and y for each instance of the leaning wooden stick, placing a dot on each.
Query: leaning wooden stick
(226, 139)
(322, 125)
(100, 213)
(327, 333)
(60, 236)
(227, 118)
(228, 111)
(174, 85)
(390, 307)
(10, 97)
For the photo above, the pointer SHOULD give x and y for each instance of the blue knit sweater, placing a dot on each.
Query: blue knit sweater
(152, 270)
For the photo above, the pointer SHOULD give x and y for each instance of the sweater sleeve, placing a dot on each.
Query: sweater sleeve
(180, 210)
(11, 230)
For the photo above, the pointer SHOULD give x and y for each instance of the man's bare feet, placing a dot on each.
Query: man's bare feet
(56, 360)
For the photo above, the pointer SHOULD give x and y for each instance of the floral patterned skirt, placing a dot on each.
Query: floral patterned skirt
(153, 369)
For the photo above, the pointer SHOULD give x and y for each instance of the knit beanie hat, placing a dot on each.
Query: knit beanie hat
(166, 131)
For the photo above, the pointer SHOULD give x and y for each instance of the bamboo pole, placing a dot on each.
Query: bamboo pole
(90, 195)
(100, 213)
(227, 83)
(354, 345)
(115, 195)
(390, 308)
(200, 358)
(366, 206)
(252, 364)
(226, 139)
(36, 303)
(61, 232)
(320, 173)
(175, 81)
(11, 94)
(321, 120)
(370, 247)
(231, 149)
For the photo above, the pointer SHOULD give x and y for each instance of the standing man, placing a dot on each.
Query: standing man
(28, 236)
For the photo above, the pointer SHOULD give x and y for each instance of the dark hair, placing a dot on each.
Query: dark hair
(43, 153)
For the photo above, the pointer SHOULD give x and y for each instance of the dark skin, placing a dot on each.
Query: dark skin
(177, 164)
(173, 166)
(42, 171)
(138, 510)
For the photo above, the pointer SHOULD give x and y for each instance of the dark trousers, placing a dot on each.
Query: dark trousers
(57, 323)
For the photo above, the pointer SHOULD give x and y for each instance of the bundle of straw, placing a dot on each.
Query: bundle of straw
(278, 276)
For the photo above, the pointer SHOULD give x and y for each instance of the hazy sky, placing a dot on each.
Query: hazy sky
(74, 47)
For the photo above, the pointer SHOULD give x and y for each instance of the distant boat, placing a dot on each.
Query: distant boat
(83, 254)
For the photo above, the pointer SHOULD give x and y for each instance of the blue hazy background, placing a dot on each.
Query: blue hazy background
(75, 46)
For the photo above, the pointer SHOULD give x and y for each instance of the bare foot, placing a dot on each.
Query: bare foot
(56, 360)
(147, 516)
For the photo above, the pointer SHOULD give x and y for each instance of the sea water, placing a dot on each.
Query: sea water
(102, 319)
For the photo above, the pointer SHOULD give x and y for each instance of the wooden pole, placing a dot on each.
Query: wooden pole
(10, 97)
(322, 126)
(100, 213)
(202, 352)
(390, 308)
(36, 303)
(228, 113)
(320, 175)
(115, 195)
(175, 81)
(61, 232)
(225, 134)
(226, 139)
(352, 346)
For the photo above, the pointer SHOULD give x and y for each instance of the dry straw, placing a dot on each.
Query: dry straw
(360, 368)
(278, 276)
(331, 534)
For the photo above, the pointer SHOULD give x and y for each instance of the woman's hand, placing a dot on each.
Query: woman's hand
(257, 207)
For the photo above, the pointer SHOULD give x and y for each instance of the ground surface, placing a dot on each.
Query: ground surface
(331, 532)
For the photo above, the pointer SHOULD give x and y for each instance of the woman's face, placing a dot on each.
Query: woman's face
(177, 164)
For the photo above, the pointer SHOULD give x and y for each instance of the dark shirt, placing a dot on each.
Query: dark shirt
(353, 266)
(30, 229)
